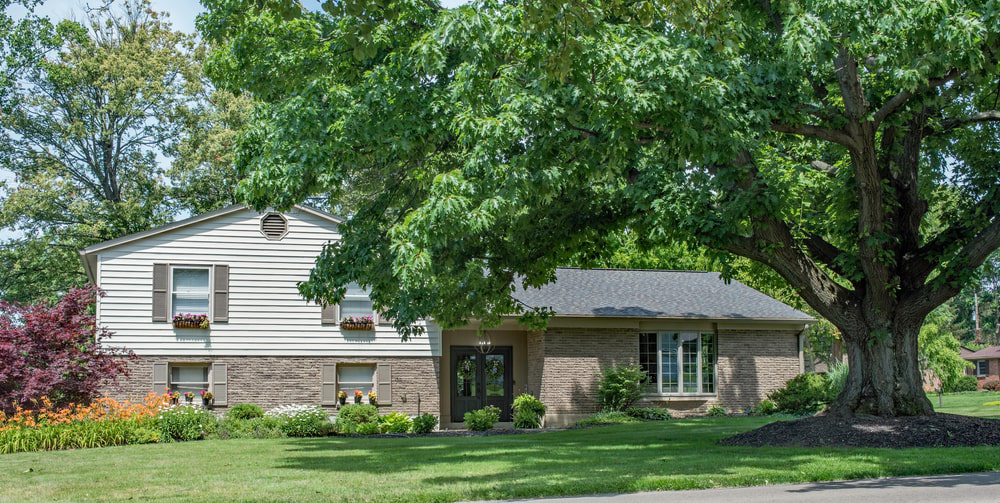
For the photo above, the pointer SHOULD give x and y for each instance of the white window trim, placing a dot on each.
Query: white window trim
(172, 365)
(680, 367)
(354, 384)
(211, 288)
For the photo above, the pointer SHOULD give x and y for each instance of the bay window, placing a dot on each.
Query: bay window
(678, 362)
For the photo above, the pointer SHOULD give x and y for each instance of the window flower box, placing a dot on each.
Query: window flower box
(187, 320)
(358, 323)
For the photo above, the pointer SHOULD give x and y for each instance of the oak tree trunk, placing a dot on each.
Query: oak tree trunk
(884, 377)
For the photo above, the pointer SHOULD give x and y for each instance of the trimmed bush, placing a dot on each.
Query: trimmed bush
(424, 423)
(396, 422)
(964, 383)
(258, 427)
(802, 394)
(717, 411)
(244, 411)
(991, 386)
(649, 413)
(528, 411)
(765, 408)
(352, 416)
(186, 422)
(368, 429)
(482, 419)
(620, 387)
(607, 417)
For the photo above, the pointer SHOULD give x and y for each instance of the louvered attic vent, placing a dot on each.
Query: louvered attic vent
(274, 226)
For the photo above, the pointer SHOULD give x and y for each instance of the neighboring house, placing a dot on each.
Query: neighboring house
(986, 361)
(702, 341)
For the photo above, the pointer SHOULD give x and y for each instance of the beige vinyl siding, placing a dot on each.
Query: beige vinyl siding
(267, 316)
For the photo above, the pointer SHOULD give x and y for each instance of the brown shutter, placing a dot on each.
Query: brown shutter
(220, 383)
(160, 292)
(330, 314)
(159, 378)
(221, 292)
(328, 384)
(384, 377)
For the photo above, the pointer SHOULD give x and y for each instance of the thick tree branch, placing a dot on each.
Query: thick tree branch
(823, 167)
(897, 101)
(988, 116)
(831, 135)
(972, 255)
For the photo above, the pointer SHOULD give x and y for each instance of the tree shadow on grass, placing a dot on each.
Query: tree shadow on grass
(671, 455)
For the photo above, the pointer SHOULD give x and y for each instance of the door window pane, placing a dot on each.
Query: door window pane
(708, 363)
(465, 374)
(647, 360)
(690, 363)
(495, 373)
(190, 291)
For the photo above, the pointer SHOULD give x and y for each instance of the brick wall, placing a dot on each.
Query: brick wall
(573, 362)
(753, 364)
(273, 381)
(536, 360)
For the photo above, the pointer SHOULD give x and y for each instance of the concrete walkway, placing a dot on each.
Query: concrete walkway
(962, 488)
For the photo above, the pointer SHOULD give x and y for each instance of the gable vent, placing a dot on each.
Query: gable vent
(274, 226)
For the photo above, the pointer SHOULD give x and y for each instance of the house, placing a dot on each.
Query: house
(702, 341)
(986, 361)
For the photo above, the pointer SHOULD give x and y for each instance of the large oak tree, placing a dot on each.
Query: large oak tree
(850, 146)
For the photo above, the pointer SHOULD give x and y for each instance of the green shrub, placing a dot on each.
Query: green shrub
(353, 415)
(244, 411)
(991, 385)
(368, 429)
(303, 420)
(482, 419)
(964, 383)
(528, 411)
(717, 411)
(396, 422)
(649, 413)
(802, 394)
(838, 379)
(424, 423)
(186, 422)
(765, 408)
(620, 386)
(258, 427)
(78, 435)
(607, 417)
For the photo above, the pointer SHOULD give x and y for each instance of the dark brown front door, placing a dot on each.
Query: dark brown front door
(479, 379)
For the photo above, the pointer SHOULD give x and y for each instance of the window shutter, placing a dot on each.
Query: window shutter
(160, 292)
(384, 376)
(330, 314)
(328, 384)
(159, 378)
(221, 292)
(220, 383)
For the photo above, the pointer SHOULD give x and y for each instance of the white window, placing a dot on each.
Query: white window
(351, 378)
(193, 378)
(189, 290)
(356, 303)
(982, 368)
(678, 362)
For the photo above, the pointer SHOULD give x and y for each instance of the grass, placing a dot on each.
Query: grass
(969, 403)
(680, 454)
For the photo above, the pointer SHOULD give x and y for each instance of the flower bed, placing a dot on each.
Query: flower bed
(358, 323)
(189, 320)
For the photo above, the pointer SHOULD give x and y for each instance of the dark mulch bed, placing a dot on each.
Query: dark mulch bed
(939, 430)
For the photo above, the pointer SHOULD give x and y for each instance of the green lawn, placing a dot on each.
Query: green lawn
(969, 403)
(679, 454)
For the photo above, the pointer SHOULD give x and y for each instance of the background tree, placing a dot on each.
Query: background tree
(53, 351)
(939, 349)
(817, 138)
(84, 131)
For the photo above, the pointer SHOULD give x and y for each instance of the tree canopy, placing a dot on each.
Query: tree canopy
(850, 147)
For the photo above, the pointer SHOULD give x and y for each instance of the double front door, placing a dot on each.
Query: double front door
(479, 379)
